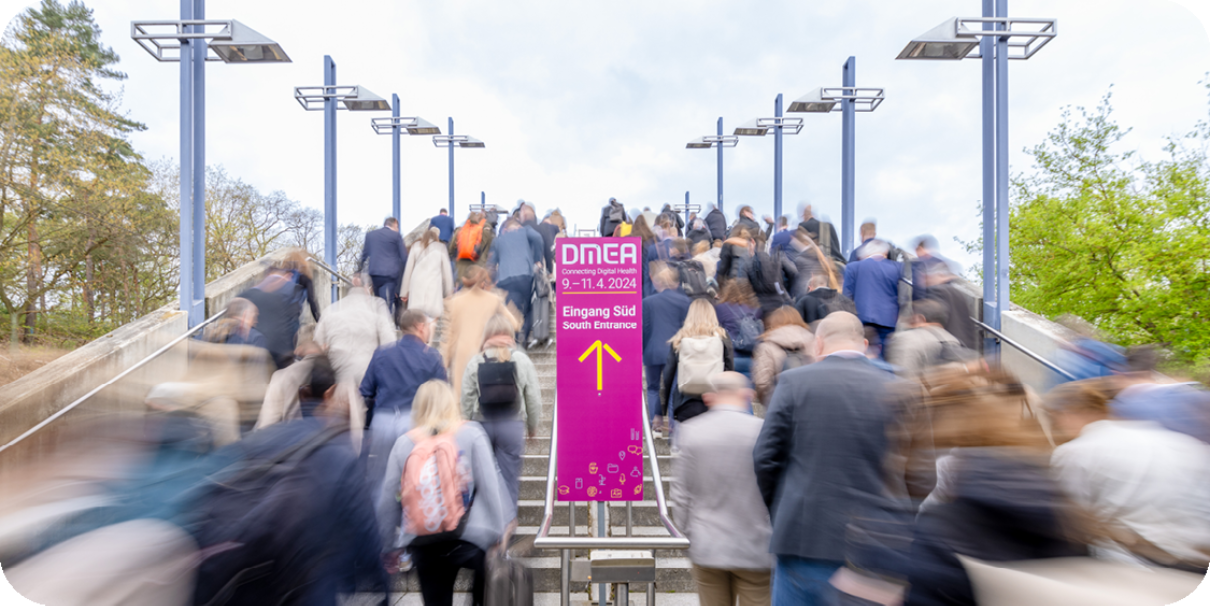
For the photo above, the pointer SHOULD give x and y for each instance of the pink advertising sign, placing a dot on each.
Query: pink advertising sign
(599, 326)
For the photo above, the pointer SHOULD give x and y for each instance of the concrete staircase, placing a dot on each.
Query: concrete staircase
(674, 582)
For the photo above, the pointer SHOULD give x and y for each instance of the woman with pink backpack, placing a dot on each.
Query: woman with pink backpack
(442, 498)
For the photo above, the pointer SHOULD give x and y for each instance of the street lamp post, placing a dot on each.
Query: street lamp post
(780, 126)
(189, 41)
(451, 141)
(329, 98)
(720, 141)
(851, 100)
(393, 126)
(1001, 38)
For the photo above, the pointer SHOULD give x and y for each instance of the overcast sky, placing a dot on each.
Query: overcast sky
(580, 101)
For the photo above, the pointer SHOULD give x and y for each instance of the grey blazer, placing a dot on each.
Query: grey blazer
(714, 494)
(834, 446)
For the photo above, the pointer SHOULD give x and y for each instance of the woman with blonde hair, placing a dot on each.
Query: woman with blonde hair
(697, 351)
(437, 420)
(500, 389)
(427, 278)
(786, 344)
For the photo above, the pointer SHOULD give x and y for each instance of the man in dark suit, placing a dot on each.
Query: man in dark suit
(445, 224)
(873, 285)
(663, 315)
(387, 257)
(833, 449)
(716, 222)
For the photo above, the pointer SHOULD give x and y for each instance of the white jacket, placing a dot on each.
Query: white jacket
(427, 280)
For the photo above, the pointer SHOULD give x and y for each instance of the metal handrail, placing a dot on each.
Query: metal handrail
(325, 267)
(1025, 350)
(157, 353)
(544, 541)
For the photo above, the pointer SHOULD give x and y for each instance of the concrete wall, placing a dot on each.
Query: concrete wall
(34, 397)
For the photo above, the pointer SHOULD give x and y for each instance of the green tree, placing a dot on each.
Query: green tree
(65, 162)
(1123, 243)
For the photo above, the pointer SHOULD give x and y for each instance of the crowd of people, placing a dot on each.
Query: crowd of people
(835, 434)
(837, 438)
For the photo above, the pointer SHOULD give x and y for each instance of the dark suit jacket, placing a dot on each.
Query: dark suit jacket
(663, 314)
(385, 252)
(873, 284)
(716, 222)
(445, 223)
(813, 227)
(831, 448)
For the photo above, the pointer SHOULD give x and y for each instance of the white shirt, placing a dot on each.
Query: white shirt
(1138, 475)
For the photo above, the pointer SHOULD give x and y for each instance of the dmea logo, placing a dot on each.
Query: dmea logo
(612, 253)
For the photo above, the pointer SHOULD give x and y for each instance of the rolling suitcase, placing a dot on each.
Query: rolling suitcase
(509, 583)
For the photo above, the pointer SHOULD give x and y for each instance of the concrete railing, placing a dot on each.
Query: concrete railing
(27, 401)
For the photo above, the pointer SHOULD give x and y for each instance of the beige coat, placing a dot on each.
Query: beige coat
(427, 280)
(467, 314)
(770, 356)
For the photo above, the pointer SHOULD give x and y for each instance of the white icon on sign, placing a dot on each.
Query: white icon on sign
(621, 455)
(579, 483)
(611, 468)
(602, 482)
(634, 434)
(635, 473)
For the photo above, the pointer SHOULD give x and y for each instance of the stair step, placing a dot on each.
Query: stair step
(671, 574)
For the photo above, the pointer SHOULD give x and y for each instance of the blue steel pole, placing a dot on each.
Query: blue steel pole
(720, 166)
(451, 124)
(330, 169)
(1002, 252)
(848, 142)
(987, 51)
(186, 177)
(198, 311)
(395, 183)
(777, 159)
(687, 226)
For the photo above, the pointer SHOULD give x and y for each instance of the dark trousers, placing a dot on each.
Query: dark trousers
(882, 333)
(437, 566)
(387, 288)
(520, 291)
(507, 437)
(654, 374)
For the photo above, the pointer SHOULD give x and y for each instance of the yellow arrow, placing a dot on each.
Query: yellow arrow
(598, 346)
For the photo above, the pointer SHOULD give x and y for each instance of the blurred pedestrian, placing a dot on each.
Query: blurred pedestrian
(716, 500)
(298, 263)
(781, 236)
(823, 234)
(517, 257)
(663, 315)
(549, 229)
(272, 298)
(472, 242)
(390, 383)
(873, 285)
(926, 344)
(467, 313)
(648, 240)
(612, 217)
(869, 232)
(1147, 395)
(427, 280)
(676, 219)
(809, 261)
(707, 255)
(822, 299)
(821, 458)
(698, 232)
(735, 255)
(786, 344)
(480, 505)
(942, 285)
(1146, 488)
(237, 326)
(384, 256)
(444, 224)
(716, 223)
(500, 390)
(739, 314)
(697, 351)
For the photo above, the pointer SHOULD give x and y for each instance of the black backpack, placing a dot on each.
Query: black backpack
(499, 397)
(747, 334)
(692, 277)
(766, 273)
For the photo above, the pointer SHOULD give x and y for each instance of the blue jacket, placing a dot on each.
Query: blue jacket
(663, 315)
(873, 285)
(781, 241)
(445, 223)
(397, 371)
(386, 254)
(515, 253)
(1180, 407)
